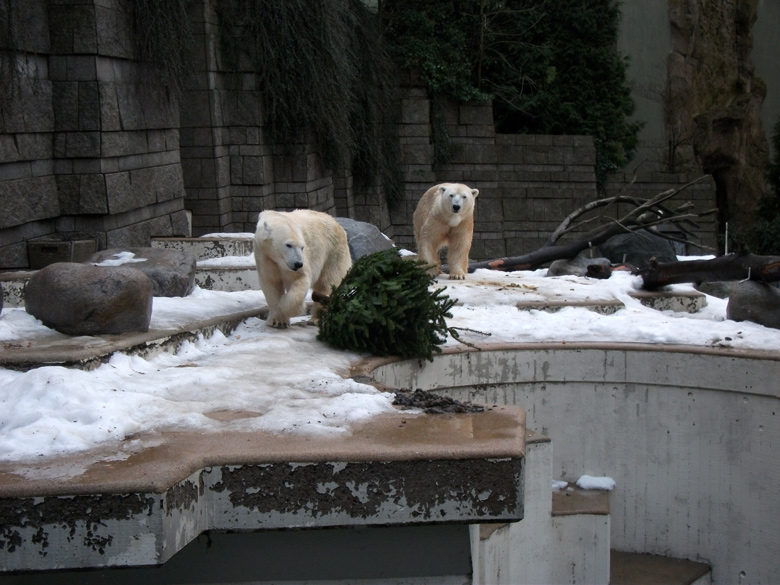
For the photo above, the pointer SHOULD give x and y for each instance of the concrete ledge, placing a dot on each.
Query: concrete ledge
(92, 511)
(89, 352)
(680, 301)
(572, 500)
(206, 248)
(606, 307)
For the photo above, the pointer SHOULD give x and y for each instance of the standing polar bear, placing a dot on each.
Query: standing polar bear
(445, 217)
(296, 251)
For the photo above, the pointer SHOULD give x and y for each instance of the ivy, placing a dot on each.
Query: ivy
(549, 67)
(324, 76)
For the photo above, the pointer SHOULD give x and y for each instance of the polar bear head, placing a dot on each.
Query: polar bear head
(281, 240)
(456, 200)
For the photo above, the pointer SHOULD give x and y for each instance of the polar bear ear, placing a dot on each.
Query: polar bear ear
(474, 193)
(266, 230)
(442, 189)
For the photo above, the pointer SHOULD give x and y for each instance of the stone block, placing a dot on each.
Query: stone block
(113, 30)
(119, 192)
(415, 111)
(27, 200)
(33, 146)
(131, 114)
(252, 173)
(66, 105)
(89, 106)
(476, 114)
(47, 250)
(417, 154)
(81, 67)
(535, 155)
(109, 107)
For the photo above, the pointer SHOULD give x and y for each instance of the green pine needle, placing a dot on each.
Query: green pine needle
(384, 306)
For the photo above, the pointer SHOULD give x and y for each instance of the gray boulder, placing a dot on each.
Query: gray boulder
(364, 238)
(754, 301)
(172, 272)
(80, 299)
(637, 249)
(577, 266)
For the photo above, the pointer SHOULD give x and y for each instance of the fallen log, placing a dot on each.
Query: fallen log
(739, 266)
(542, 256)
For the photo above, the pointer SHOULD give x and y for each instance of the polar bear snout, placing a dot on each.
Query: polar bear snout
(297, 265)
(455, 207)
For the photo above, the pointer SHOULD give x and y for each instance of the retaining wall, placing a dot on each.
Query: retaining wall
(689, 435)
(94, 144)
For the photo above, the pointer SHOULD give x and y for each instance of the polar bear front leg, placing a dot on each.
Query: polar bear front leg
(293, 302)
(458, 256)
(273, 298)
(429, 254)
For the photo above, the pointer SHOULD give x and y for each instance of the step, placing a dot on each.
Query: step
(564, 536)
(685, 301)
(212, 246)
(645, 569)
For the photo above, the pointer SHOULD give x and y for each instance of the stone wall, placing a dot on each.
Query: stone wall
(528, 184)
(94, 144)
(89, 146)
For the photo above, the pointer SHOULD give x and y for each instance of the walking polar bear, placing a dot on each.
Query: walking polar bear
(445, 217)
(296, 251)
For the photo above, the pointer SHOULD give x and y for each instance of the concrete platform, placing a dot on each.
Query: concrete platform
(94, 511)
(90, 351)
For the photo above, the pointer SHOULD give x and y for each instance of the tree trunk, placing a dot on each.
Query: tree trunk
(740, 266)
(542, 256)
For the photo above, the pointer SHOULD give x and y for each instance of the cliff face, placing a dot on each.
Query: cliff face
(715, 98)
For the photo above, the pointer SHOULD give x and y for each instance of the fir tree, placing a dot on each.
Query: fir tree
(385, 306)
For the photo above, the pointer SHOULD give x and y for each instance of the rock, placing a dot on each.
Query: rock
(80, 299)
(754, 301)
(719, 289)
(364, 238)
(172, 272)
(577, 266)
(1, 298)
(637, 249)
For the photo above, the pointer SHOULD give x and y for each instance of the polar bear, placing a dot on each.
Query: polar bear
(296, 251)
(445, 217)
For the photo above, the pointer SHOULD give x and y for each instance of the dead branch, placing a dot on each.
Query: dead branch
(645, 215)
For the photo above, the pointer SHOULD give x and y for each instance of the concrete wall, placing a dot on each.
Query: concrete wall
(691, 439)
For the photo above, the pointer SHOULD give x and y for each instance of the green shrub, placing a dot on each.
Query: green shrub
(549, 67)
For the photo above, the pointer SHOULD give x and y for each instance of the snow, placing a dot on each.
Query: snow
(286, 381)
(119, 259)
(589, 482)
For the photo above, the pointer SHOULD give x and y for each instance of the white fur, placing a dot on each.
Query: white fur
(445, 218)
(296, 251)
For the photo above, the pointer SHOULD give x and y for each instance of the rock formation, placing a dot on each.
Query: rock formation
(714, 99)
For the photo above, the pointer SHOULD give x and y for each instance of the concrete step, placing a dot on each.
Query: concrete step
(644, 569)
(564, 536)
(206, 247)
